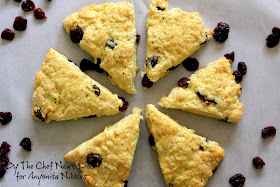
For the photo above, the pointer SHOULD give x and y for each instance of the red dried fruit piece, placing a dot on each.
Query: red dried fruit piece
(183, 82)
(159, 8)
(76, 35)
(26, 144)
(238, 76)
(221, 32)
(2, 164)
(5, 148)
(38, 114)
(94, 159)
(191, 64)
(268, 131)
(152, 140)
(8, 34)
(2, 172)
(96, 90)
(125, 104)
(27, 5)
(237, 180)
(4, 159)
(146, 82)
(201, 96)
(230, 56)
(204, 98)
(125, 183)
(5, 117)
(258, 162)
(20, 23)
(242, 68)
(88, 65)
(272, 40)
(39, 13)
(276, 31)
(152, 60)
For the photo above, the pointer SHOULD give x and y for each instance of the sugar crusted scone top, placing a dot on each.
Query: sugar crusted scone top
(111, 23)
(63, 92)
(172, 35)
(186, 159)
(217, 85)
(116, 146)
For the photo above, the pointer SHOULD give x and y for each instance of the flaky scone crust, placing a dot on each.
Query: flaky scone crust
(64, 92)
(101, 23)
(217, 83)
(186, 159)
(172, 35)
(116, 146)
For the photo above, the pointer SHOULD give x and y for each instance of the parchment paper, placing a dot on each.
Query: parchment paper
(250, 22)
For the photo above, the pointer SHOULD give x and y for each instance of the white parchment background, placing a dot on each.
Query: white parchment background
(250, 21)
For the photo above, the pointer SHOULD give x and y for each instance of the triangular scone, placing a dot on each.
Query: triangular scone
(114, 149)
(212, 92)
(186, 159)
(109, 36)
(172, 36)
(63, 92)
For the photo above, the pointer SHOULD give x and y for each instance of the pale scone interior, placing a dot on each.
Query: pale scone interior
(115, 146)
(109, 36)
(172, 36)
(186, 159)
(64, 92)
(211, 92)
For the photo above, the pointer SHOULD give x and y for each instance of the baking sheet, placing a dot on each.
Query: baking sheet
(251, 22)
